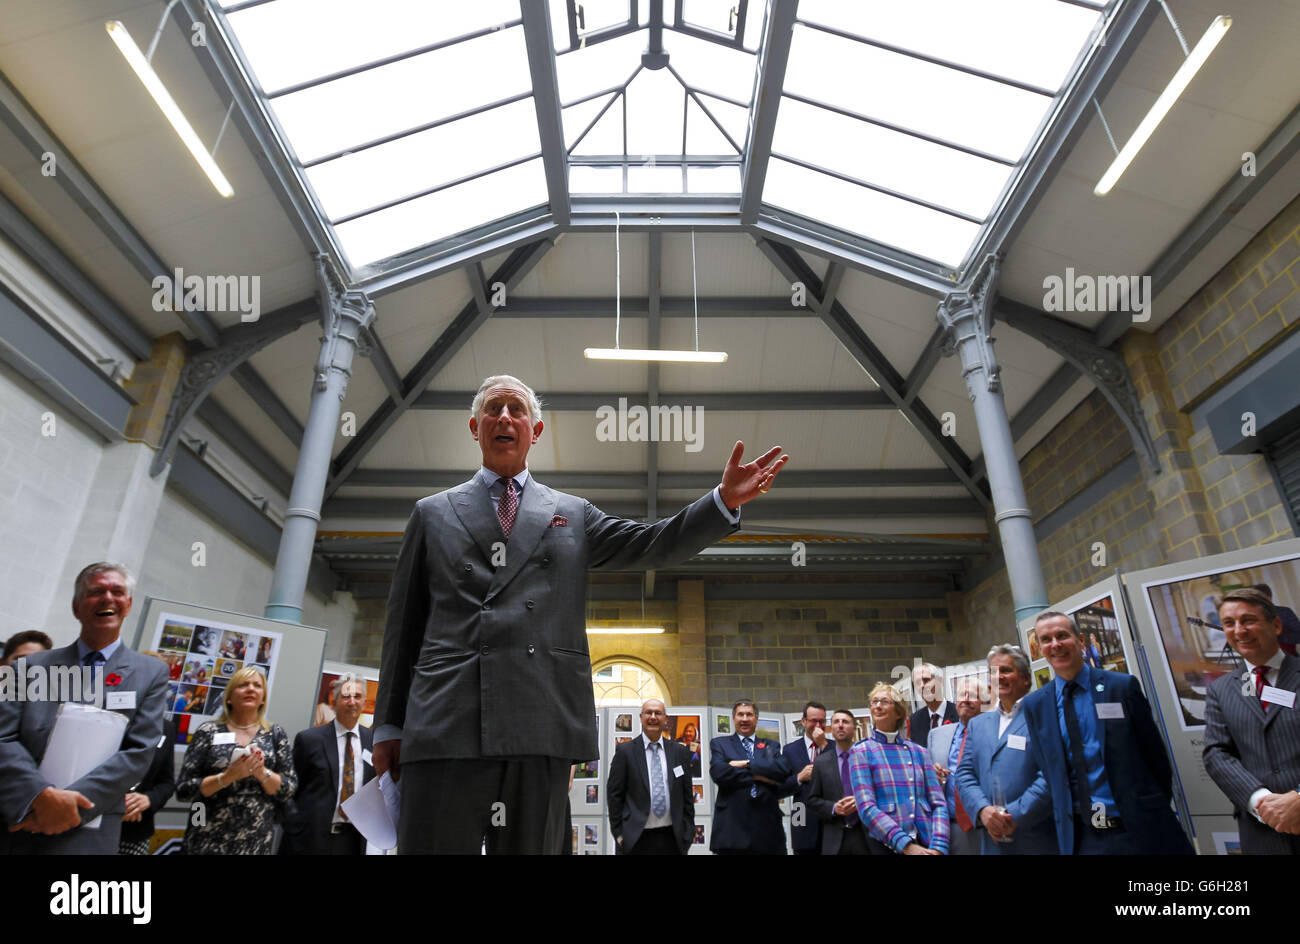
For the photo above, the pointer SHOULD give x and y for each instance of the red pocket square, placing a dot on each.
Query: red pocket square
(559, 521)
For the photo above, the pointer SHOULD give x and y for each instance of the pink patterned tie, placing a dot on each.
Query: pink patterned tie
(508, 505)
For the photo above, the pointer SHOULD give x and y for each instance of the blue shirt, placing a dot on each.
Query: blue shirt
(954, 749)
(1098, 788)
(83, 650)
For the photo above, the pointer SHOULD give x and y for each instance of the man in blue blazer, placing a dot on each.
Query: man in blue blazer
(805, 828)
(1092, 735)
(750, 775)
(999, 784)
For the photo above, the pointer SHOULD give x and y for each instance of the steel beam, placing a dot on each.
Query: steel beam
(77, 184)
(682, 306)
(1065, 126)
(375, 351)
(213, 415)
(430, 363)
(870, 358)
(694, 481)
(1104, 367)
(64, 374)
(1278, 148)
(774, 55)
(458, 401)
(63, 272)
(769, 509)
(924, 366)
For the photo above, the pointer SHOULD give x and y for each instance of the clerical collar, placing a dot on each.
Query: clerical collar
(889, 737)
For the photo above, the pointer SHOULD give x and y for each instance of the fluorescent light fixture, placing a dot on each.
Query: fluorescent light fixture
(131, 52)
(1191, 65)
(633, 354)
(624, 630)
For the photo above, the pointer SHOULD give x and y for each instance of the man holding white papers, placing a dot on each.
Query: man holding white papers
(47, 818)
(332, 762)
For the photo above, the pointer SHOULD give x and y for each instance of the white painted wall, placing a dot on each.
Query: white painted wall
(233, 578)
(44, 485)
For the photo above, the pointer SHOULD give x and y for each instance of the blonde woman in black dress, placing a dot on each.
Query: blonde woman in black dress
(242, 796)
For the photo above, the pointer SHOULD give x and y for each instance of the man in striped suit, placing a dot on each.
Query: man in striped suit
(1252, 728)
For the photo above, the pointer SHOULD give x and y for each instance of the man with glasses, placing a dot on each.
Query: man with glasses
(1252, 728)
(998, 782)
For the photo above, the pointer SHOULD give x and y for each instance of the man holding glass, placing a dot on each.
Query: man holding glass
(998, 782)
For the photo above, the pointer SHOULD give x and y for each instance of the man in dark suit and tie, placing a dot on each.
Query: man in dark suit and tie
(50, 819)
(927, 683)
(1252, 728)
(651, 803)
(805, 828)
(750, 774)
(831, 797)
(332, 762)
(485, 695)
(1106, 767)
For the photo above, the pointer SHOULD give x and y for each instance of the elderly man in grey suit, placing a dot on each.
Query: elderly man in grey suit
(48, 818)
(485, 694)
(947, 747)
(1252, 728)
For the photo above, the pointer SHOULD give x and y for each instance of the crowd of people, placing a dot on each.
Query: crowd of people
(241, 776)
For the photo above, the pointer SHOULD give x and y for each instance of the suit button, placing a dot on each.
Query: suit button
(530, 604)
(469, 568)
(487, 606)
(546, 562)
(483, 650)
(531, 650)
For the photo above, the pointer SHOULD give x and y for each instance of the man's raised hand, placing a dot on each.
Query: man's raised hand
(743, 483)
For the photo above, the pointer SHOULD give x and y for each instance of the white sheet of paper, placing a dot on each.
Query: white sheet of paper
(367, 810)
(366, 757)
(392, 797)
(677, 771)
(225, 737)
(1278, 696)
(1016, 742)
(83, 737)
(119, 701)
(1110, 710)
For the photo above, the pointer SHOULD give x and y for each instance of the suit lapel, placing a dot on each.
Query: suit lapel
(330, 744)
(473, 507)
(531, 521)
(642, 768)
(1287, 676)
(1101, 694)
(1253, 707)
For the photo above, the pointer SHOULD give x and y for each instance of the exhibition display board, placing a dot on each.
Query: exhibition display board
(1175, 612)
(204, 647)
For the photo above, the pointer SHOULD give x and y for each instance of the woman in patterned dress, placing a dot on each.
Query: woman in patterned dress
(242, 798)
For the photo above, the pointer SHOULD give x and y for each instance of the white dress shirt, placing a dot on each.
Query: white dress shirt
(652, 821)
(1273, 665)
(1006, 717)
(358, 768)
(937, 713)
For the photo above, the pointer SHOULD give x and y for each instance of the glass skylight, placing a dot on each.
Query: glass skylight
(413, 124)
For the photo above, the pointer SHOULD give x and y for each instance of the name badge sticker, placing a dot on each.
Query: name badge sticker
(1016, 742)
(1271, 695)
(119, 701)
(1110, 710)
(227, 737)
(677, 771)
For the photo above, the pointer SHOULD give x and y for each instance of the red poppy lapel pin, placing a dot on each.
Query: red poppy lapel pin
(113, 679)
(760, 745)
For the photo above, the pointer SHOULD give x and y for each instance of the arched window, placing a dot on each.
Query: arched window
(622, 680)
